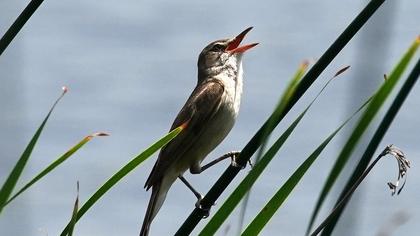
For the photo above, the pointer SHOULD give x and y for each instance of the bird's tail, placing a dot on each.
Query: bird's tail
(157, 198)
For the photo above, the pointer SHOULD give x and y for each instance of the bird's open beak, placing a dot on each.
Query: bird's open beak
(233, 45)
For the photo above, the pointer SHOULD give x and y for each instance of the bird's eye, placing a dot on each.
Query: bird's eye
(218, 48)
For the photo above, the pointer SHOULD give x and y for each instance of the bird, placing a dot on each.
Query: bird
(207, 117)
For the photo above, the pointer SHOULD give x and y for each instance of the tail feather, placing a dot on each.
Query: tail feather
(159, 191)
(150, 213)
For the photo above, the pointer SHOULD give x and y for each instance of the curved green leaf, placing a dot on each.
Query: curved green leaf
(373, 108)
(130, 166)
(374, 142)
(56, 163)
(287, 94)
(74, 213)
(14, 176)
(276, 201)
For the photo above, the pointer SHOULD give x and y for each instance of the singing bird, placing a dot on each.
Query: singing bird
(208, 115)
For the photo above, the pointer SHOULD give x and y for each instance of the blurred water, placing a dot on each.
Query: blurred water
(130, 67)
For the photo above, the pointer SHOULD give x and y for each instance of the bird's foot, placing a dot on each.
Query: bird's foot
(234, 156)
(205, 210)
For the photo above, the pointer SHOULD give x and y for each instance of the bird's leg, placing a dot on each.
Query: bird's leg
(197, 194)
(233, 155)
(197, 169)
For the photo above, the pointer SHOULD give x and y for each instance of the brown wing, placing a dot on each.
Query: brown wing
(199, 109)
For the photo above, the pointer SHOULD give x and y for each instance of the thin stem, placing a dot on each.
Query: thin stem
(18, 24)
(403, 166)
(347, 196)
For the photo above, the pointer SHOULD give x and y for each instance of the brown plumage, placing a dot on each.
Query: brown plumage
(210, 111)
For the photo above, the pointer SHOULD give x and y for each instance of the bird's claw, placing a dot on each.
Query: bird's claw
(250, 163)
(205, 210)
(234, 163)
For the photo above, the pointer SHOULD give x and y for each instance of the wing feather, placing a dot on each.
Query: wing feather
(199, 109)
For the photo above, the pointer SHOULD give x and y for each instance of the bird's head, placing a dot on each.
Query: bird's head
(223, 55)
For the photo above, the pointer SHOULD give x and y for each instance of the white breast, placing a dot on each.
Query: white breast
(232, 80)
